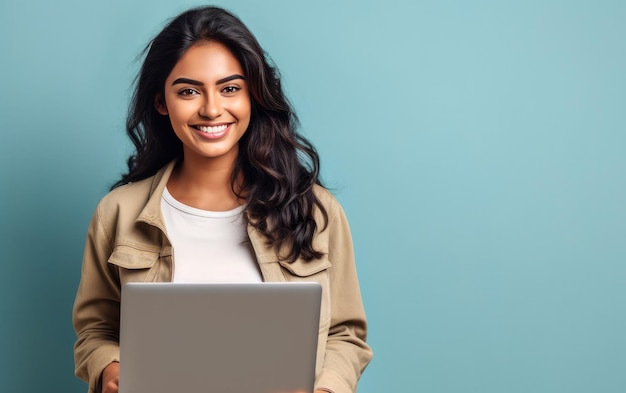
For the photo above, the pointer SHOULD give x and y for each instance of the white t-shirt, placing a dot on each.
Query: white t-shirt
(209, 246)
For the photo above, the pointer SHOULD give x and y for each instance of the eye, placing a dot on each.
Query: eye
(230, 89)
(187, 92)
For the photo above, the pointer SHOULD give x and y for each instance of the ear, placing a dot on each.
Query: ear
(159, 104)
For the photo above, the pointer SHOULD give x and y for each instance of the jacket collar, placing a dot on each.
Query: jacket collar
(151, 213)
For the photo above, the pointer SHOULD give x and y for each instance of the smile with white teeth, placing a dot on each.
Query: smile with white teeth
(212, 129)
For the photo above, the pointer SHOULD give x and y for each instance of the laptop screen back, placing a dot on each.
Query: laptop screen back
(222, 338)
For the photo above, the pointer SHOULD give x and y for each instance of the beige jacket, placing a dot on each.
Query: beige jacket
(127, 241)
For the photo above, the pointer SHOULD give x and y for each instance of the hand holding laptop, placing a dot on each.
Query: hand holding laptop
(111, 378)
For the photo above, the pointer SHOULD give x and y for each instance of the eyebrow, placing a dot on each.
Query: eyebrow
(198, 83)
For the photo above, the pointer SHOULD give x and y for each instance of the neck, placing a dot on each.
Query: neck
(204, 183)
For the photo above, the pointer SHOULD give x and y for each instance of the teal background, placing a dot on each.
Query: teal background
(478, 147)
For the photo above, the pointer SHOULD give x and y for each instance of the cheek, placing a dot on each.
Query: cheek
(243, 109)
(179, 112)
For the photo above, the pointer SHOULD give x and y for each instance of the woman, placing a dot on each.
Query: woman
(219, 173)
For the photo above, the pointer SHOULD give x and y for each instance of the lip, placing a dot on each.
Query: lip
(212, 131)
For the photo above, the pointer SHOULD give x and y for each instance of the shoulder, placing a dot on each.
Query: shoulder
(136, 195)
(126, 203)
(333, 235)
(334, 213)
(326, 198)
(127, 195)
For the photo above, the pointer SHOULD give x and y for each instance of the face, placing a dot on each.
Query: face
(207, 100)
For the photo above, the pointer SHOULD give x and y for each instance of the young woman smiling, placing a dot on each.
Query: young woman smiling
(221, 188)
(208, 103)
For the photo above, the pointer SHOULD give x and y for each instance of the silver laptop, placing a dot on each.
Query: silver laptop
(222, 338)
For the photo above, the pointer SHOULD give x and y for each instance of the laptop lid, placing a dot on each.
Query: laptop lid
(222, 338)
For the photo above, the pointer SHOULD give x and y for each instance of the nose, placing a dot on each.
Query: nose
(211, 107)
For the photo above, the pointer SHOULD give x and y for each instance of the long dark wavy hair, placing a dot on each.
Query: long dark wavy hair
(279, 167)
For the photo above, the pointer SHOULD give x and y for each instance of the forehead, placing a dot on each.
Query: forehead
(207, 61)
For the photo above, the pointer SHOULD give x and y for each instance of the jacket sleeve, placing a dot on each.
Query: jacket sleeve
(96, 308)
(347, 353)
